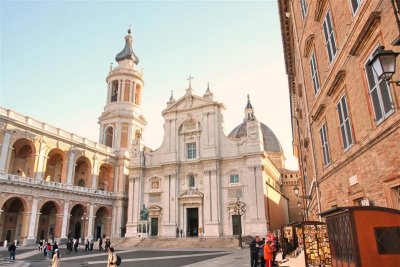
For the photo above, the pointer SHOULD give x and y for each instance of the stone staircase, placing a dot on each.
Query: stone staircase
(175, 242)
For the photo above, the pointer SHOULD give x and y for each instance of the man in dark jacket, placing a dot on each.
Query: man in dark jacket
(11, 250)
(254, 251)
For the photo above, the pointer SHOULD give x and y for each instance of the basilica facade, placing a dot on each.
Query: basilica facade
(57, 185)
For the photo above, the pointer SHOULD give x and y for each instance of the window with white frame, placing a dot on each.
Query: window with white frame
(344, 120)
(381, 97)
(191, 150)
(330, 41)
(303, 6)
(314, 73)
(355, 4)
(192, 181)
(234, 178)
(324, 144)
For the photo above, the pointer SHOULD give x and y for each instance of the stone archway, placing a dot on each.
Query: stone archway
(76, 225)
(83, 171)
(49, 224)
(14, 220)
(22, 159)
(106, 177)
(54, 165)
(102, 223)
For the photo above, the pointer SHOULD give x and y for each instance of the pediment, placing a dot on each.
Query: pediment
(189, 101)
(191, 193)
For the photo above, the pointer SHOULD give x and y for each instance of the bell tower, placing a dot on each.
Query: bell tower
(122, 122)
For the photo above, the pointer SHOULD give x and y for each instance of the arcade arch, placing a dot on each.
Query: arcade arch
(48, 221)
(102, 224)
(75, 222)
(54, 166)
(22, 158)
(105, 181)
(82, 172)
(14, 220)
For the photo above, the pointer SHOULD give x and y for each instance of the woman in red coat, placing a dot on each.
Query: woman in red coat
(268, 254)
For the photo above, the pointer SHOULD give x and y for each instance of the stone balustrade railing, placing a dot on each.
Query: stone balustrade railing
(52, 185)
(54, 130)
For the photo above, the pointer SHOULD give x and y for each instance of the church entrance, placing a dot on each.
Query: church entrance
(154, 227)
(192, 222)
(236, 224)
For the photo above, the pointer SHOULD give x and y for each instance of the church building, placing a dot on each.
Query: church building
(57, 185)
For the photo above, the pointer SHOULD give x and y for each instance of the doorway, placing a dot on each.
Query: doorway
(192, 222)
(98, 232)
(77, 230)
(8, 236)
(154, 227)
(236, 224)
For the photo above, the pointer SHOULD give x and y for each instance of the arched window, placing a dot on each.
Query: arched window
(114, 91)
(108, 136)
(192, 181)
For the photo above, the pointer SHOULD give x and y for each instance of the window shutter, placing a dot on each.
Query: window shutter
(385, 95)
(375, 103)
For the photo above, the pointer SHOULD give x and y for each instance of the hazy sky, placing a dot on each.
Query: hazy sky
(55, 56)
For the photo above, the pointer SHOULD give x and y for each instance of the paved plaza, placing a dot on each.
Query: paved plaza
(143, 257)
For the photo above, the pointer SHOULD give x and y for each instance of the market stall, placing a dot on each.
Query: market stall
(364, 236)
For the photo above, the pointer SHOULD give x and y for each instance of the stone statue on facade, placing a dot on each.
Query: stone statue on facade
(144, 213)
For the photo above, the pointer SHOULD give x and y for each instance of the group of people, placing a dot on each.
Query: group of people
(265, 251)
(49, 251)
(179, 232)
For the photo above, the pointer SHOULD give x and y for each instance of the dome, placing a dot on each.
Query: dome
(271, 143)
(127, 52)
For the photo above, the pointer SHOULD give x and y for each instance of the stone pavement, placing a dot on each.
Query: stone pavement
(189, 257)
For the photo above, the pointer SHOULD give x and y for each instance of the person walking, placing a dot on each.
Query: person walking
(254, 251)
(55, 260)
(112, 258)
(76, 245)
(48, 251)
(100, 244)
(87, 245)
(181, 232)
(91, 245)
(12, 249)
(285, 249)
(268, 254)
(177, 232)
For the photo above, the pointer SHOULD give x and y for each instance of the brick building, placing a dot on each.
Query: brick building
(345, 121)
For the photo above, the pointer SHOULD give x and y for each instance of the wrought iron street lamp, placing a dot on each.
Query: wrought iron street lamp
(239, 209)
(383, 63)
(84, 218)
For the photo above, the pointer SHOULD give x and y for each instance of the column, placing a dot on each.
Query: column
(63, 236)
(90, 223)
(31, 240)
(211, 209)
(119, 98)
(133, 93)
(71, 165)
(113, 222)
(41, 160)
(95, 172)
(130, 200)
(116, 178)
(108, 93)
(4, 150)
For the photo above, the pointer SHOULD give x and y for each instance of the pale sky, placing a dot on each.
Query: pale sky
(55, 56)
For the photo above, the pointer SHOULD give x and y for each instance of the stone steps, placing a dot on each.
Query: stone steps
(173, 242)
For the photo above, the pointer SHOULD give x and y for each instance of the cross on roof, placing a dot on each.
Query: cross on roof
(190, 78)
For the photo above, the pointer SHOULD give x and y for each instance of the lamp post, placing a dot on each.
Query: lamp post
(296, 191)
(84, 218)
(383, 62)
(239, 209)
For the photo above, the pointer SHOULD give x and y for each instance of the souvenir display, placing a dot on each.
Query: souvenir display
(316, 245)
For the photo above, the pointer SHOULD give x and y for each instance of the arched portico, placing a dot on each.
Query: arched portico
(76, 224)
(22, 159)
(106, 177)
(14, 220)
(83, 170)
(49, 226)
(102, 224)
(55, 166)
